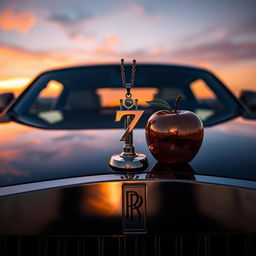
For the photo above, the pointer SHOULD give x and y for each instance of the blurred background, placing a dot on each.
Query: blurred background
(39, 35)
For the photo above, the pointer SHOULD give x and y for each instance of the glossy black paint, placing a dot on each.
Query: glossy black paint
(30, 154)
(171, 207)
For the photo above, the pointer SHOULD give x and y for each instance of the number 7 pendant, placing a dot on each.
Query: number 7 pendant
(128, 159)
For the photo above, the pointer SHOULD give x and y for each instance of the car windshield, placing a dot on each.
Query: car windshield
(88, 97)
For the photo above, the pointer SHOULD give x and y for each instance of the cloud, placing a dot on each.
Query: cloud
(21, 22)
(243, 29)
(79, 25)
(136, 8)
(16, 61)
(207, 34)
(216, 45)
(217, 52)
(218, 34)
(73, 23)
(222, 51)
(70, 17)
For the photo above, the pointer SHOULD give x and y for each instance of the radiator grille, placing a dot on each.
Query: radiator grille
(179, 245)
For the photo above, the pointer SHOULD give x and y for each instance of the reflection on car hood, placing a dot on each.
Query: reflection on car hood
(30, 154)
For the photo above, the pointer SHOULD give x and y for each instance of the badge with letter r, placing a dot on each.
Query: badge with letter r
(134, 208)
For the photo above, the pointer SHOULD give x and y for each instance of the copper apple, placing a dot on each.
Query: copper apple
(174, 136)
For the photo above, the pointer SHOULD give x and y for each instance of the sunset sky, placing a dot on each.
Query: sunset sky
(37, 35)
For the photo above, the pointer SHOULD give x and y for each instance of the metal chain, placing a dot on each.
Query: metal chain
(133, 72)
(123, 73)
(125, 85)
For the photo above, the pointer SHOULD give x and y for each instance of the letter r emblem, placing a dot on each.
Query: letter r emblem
(134, 208)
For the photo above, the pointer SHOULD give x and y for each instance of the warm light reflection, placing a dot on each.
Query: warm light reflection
(23, 147)
(6, 159)
(201, 90)
(53, 90)
(110, 96)
(103, 199)
(242, 127)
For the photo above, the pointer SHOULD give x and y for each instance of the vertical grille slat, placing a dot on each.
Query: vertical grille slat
(199, 245)
(227, 245)
(120, 252)
(248, 245)
(136, 247)
(181, 245)
(176, 246)
(206, 245)
(101, 246)
(46, 247)
(157, 245)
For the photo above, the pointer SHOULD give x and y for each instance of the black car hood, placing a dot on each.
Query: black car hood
(29, 154)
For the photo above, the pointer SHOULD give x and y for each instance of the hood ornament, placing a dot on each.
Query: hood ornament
(128, 159)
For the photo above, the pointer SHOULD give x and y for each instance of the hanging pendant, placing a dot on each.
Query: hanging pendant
(128, 159)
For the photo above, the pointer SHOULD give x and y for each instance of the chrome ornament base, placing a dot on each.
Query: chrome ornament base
(138, 161)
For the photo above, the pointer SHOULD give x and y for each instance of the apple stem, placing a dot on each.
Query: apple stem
(177, 103)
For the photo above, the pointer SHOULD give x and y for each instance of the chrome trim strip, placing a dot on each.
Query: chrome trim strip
(226, 181)
(42, 185)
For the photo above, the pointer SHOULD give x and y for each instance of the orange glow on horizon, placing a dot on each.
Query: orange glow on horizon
(201, 90)
(238, 77)
(53, 89)
(15, 85)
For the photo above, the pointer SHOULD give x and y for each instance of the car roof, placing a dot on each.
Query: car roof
(117, 64)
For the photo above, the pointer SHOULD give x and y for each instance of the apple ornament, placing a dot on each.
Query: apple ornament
(173, 136)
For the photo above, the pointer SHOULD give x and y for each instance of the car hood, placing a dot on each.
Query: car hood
(29, 154)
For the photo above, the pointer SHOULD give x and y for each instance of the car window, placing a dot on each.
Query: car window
(89, 97)
(202, 91)
(47, 97)
(207, 102)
